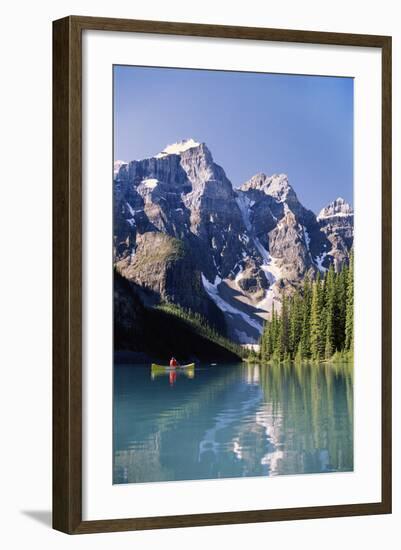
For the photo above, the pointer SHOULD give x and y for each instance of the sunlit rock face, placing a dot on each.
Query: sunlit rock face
(336, 221)
(184, 233)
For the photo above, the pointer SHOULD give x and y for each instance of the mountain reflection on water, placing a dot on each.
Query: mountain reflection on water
(232, 421)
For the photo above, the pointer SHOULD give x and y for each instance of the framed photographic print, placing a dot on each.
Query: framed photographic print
(222, 274)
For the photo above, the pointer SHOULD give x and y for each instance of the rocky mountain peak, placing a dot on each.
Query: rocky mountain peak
(336, 221)
(279, 187)
(337, 208)
(258, 182)
(276, 186)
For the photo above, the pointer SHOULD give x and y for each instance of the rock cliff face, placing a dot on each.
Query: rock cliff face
(165, 269)
(336, 221)
(185, 235)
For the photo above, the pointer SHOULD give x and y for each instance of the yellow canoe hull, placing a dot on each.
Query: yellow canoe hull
(167, 367)
(160, 370)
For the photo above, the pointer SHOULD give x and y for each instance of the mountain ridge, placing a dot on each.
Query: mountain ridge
(244, 245)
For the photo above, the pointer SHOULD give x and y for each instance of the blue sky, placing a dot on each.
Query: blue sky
(251, 122)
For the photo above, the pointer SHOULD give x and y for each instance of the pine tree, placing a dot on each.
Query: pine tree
(349, 320)
(284, 331)
(322, 299)
(304, 347)
(275, 337)
(295, 322)
(340, 307)
(329, 312)
(315, 322)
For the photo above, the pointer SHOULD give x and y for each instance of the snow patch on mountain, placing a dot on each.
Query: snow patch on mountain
(338, 215)
(213, 292)
(272, 270)
(244, 206)
(306, 237)
(117, 166)
(272, 273)
(131, 221)
(130, 209)
(150, 183)
(269, 267)
(336, 209)
(178, 148)
(307, 240)
(319, 262)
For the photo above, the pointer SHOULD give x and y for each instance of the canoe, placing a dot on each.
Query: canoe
(160, 370)
(167, 367)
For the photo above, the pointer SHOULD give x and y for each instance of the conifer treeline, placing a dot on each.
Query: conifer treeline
(316, 322)
(201, 326)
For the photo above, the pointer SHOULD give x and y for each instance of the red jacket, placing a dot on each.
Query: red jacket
(173, 362)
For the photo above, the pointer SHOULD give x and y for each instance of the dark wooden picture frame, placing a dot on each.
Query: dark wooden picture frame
(67, 274)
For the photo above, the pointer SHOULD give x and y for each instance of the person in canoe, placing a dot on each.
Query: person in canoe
(173, 362)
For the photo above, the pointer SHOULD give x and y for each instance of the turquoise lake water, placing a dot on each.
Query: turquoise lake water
(230, 421)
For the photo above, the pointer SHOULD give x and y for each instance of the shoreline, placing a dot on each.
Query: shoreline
(337, 361)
